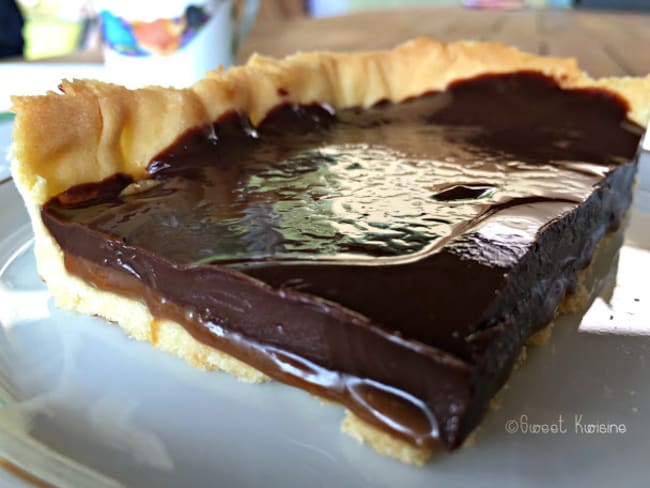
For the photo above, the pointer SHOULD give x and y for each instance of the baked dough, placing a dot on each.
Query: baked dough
(93, 130)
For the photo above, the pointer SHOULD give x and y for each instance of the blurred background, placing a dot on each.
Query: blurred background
(55, 27)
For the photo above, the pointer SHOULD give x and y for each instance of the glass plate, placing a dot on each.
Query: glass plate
(83, 405)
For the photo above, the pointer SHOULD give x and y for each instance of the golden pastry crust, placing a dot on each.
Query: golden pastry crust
(93, 130)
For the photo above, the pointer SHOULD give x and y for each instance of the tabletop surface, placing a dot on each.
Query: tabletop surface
(605, 43)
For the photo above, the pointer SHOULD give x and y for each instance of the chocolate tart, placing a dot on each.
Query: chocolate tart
(384, 230)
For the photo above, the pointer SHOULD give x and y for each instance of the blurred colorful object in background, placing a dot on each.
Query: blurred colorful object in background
(54, 27)
(319, 8)
(494, 4)
(161, 36)
(11, 26)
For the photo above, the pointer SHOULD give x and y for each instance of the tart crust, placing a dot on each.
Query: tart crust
(93, 130)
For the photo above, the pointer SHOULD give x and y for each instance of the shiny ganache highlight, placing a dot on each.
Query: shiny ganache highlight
(394, 258)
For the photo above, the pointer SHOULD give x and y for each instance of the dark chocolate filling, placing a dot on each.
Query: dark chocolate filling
(393, 259)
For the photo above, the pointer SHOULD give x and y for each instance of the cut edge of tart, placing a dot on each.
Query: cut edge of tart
(94, 130)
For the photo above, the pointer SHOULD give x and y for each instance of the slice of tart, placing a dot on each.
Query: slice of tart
(384, 230)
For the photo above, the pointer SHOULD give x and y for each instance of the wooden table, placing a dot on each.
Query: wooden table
(605, 44)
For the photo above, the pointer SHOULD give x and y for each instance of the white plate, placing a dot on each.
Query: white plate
(81, 399)
(5, 141)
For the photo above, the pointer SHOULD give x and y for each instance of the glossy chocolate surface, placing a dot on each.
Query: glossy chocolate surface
(393, 259)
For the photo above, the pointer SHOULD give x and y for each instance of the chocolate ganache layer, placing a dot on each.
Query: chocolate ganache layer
(394, 259)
